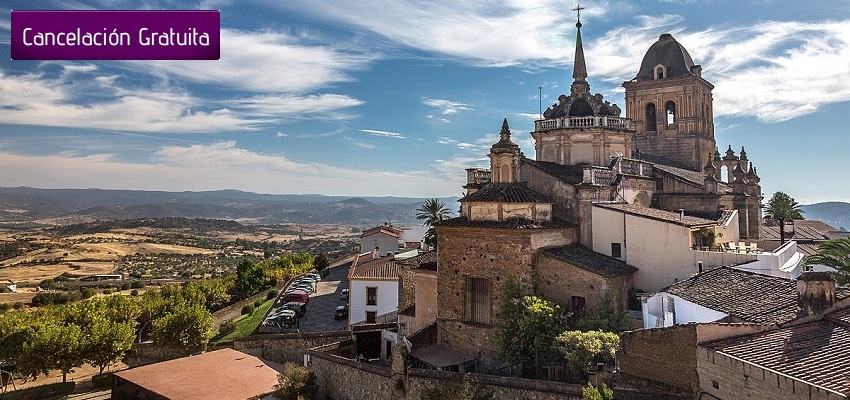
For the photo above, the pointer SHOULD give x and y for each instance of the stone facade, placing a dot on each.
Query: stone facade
(493, 254)
(559, 281)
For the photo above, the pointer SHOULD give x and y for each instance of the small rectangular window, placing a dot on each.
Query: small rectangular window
(616, 251)
(370, 316)
(371, 296)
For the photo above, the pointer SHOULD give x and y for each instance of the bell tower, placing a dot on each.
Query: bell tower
(671, 107)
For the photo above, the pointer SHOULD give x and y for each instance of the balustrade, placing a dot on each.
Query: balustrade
(583, 122)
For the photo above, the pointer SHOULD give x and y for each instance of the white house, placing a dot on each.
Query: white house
(727, 295)
(373, 288)
(384, 237)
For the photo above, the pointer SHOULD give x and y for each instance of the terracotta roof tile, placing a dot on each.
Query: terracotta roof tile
(746, 295)
(426, 261)
(367, 268)
(506, 193)
(596, 263)
(654, 213)
(221, 374)
(389, 230)
(815, 352)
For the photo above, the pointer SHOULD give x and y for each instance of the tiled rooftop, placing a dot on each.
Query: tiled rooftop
(747, 295)
(506, 193)
(656, 214)
(367, 268)
(802, 233)
(427, 261)
(815, 352)
(389, 230)
(572, 174)
(694, 177)
(596, 263)
(511, 223)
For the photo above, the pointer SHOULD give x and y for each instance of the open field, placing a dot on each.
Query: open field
(156, 248)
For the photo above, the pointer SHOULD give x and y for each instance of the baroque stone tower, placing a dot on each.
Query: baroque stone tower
(505, 157)
(670, 106)
(582, 128)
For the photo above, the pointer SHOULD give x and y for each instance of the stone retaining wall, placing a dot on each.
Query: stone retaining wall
(287, 346)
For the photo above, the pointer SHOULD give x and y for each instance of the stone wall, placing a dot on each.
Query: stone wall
(344, 379)
(726, 378)
(286, 347)
(663, 355)
(559, 281)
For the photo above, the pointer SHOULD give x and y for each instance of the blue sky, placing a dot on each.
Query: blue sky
(397, 97)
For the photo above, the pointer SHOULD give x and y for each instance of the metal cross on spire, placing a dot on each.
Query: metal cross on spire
(578, 12)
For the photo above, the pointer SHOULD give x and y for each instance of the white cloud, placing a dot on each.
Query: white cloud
(31, 99)
(266, 62)
(281, 134)
(383, 133)
(491, 32)
(773, 71)
(326, 106)
(447, 107)
(220, 165)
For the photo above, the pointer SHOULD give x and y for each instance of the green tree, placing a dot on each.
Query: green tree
(250, 278)
(583, 350)
(187, 327)
(527, 328)
(589, 392)
(321, 262)
(836, 254)
(296, 383)
(465, 389)
(432, 212)
(784, 206)
(53, 345)
(107, 342)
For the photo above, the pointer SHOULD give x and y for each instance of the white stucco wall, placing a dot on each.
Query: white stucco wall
(387, 299)
(683, 311)
(660, 250)
(387, 243)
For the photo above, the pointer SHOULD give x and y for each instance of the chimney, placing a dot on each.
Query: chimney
(681, 214)
(699, 266)
(815, 292)
(376, 253)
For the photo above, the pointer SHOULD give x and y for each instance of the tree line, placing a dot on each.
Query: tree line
(102, 330)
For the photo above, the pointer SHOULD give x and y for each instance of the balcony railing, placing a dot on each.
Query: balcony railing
(583, 122)
(598, 176)
(477, 176)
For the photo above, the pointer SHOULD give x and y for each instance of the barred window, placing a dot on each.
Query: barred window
(478, 300)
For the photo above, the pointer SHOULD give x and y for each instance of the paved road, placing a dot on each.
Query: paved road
(323, 303)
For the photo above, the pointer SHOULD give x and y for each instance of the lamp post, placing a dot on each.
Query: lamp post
(781, 230)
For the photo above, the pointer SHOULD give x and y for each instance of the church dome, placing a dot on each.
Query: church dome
(668, 53)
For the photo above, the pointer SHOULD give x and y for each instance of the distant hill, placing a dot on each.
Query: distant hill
(68, 206)
(835, 213)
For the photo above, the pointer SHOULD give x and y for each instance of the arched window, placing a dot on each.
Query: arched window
(670, 109)
(650, 118)
(660, 71)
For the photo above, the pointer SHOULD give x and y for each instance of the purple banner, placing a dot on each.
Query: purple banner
(116, 35)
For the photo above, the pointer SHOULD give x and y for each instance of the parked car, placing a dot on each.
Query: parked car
(300, 297)
(298, 307)
(304, 287)
(341, 312)
(284, 318)
(343, 295)
(315, 277)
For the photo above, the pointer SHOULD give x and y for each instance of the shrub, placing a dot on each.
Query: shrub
(107, 291)
(47, 284)
(125, 285)
(247, 309)
(591, 393)
(18, 305)
(87, 292)
(134, 292)
(271, 294)
(5, 307)
(137, 284)
(258, 303)
(464, 389)
(296, 383)
(227, 327)
(583, 350)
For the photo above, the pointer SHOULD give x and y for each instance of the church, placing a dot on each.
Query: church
(607, 204)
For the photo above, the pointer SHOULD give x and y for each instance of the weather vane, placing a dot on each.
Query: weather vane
(578, 11)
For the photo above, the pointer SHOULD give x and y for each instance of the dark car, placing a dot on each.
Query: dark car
(298, 307)
(286, 318)
(341, 312)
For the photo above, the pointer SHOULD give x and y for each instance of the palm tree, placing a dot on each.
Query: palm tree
(432, 212)
(836, 254)
(784, 206)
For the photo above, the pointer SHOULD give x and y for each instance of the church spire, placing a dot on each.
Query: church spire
(580, 84)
